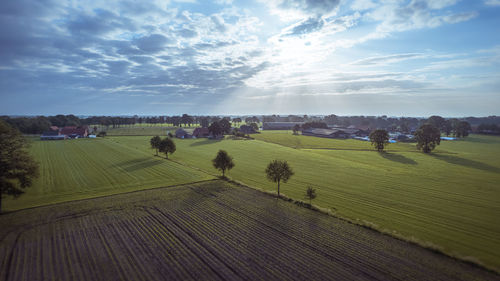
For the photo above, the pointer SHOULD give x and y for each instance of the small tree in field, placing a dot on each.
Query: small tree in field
(427, 136)
(167, 145)
(155, 143)
(223, 162)
(296, 129)
(278, 171)
(379, 139)
(17, 167)
(310, 194)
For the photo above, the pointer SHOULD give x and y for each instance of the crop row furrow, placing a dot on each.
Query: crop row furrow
(207, 259)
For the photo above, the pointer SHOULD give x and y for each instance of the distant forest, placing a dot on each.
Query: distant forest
(39, 124)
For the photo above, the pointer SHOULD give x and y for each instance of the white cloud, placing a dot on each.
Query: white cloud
(492, 2)
(362, 5)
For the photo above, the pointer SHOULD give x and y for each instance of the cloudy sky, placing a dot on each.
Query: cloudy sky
(360, 57)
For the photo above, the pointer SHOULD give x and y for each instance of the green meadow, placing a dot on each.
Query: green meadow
(86, 168)
(449, 199)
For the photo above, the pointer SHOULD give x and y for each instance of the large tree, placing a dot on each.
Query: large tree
(17, 167)
(427, 137)
(167, 145)
(223, 162)
(225, 125)
(155, 143)
(462, 129)
(215, 129)
(379, 139)
(278, 171)
(447, 127)
(438, 122)
(255, 126)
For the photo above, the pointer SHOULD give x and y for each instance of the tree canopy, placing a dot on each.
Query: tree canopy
(17, 167)
(278, 171)
(223, 162)
(215, 129)
(167, 145)
(462, 129)
(379, 139)
(438, 122)
(155, 143)
(427, 137)
(225, 125)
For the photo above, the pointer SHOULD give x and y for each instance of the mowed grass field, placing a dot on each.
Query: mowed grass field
(207, 231)
(143, 130)
(83, 168)
(448, 200)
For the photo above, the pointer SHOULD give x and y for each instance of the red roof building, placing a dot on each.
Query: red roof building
(73, 132)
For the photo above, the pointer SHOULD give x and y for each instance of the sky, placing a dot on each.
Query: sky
(230, 57)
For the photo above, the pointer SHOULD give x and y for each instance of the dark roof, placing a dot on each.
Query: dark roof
(328, 132)
(201, 132)
(50, 133)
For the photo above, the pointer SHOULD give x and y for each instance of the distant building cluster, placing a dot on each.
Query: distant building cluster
(68, 132)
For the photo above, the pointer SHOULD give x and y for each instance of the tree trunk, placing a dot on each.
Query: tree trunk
(278, 188)
(0, 203)
(166, 155)
(223, 172)
(157, 152)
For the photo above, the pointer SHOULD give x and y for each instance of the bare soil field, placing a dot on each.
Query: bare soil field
(207, 231)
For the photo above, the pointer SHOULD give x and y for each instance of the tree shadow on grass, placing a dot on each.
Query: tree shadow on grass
(398, 158)
(139, 164)
(204, 142)
(466, 162)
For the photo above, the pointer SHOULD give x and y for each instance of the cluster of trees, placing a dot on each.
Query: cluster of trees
(428, 136)
(488, 129)
(17, 167)
(165, 145)
(277, 171)
(220, 127)
(458, 128)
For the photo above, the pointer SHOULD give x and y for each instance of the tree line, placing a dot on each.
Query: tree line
(39, 124)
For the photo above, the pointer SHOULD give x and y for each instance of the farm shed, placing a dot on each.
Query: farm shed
(182, 134)
(330, 133)
(52, 135)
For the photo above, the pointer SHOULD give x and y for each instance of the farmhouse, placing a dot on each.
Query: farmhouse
(182, 134)
(201, 133)
(280, 125)
(75, 132)
(246, 129)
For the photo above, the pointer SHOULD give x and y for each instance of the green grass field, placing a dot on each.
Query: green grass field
(142, 130)
(449, 199)
(83, 168)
